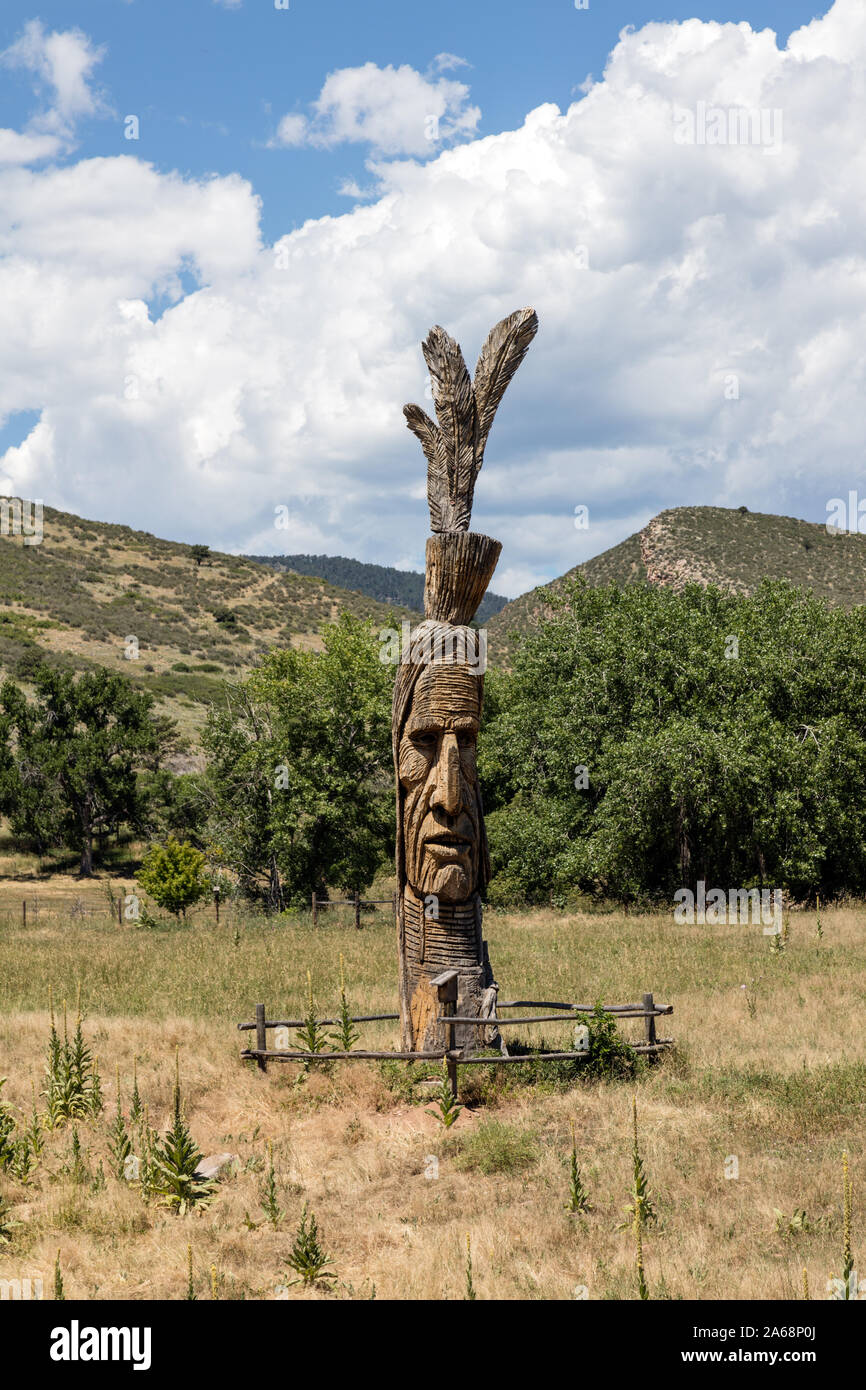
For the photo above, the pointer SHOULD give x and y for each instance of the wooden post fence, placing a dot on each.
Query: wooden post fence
(261, 1037)
(446, 985)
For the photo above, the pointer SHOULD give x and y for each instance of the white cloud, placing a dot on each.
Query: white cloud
(62, 64)
(394, 110)
(660, 272)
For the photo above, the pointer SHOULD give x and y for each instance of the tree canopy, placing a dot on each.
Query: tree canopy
(723, 738)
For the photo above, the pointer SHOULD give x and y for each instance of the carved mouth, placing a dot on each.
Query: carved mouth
(448, 840)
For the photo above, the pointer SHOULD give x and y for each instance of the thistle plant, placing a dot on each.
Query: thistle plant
(448, 1106)
(175, 1161)
(307, 1256)
(470, 1287)
(59, 1293)
(578, 1198)
(347, 1034)
(311, 1034)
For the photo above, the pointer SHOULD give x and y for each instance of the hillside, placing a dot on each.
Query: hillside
(731, 547)
(381, 582)
(77, 597)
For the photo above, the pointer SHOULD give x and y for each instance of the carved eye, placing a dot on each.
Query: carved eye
(425, 743)
(466, 740)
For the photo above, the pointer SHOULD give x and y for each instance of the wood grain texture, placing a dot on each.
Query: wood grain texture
(465, 409)
(441, 849)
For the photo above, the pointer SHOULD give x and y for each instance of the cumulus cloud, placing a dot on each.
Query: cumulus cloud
(62, 64)
(394, 110)
(701, 307)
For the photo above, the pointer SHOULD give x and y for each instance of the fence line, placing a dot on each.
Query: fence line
(446, 986)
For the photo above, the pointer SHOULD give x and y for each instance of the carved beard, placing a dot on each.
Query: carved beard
(441, 804)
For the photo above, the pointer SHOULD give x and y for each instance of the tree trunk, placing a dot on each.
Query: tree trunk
(86, 869)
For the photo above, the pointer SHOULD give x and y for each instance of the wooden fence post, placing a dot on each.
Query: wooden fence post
(315, 910)
(357, 910)
(120, 912)
(216, 903)
(649, 1021)
(446, 992)
(24, 913)
(261, 1037)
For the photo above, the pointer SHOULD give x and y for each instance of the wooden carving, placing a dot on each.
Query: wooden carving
(442, 859)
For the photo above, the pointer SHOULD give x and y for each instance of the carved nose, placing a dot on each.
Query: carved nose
(446, 793)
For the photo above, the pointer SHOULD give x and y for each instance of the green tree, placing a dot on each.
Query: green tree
(173, 875)
(199, 554)
(300, 770)
(739, 762)
(77, 750)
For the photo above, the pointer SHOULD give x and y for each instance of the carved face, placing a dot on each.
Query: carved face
(441, 806)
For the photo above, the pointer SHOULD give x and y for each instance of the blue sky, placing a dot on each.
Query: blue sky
(209, 82)
(163, 367)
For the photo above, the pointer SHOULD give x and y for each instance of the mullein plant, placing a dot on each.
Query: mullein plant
(191, 1294)
(471, 1295)
(847, 1257)
(8, 1143)
(448, 1107)
(7, 1225)
(148, 1173)
(311, 1035)
(640, 1209)
(819, 930)
(307, 1256)
(95, 1101)
(136, 1109)
(578, 1198)
(176, 1159)
(59, 1292)
(73, 1090)
(34, 1132)
(347, 1035)
(269, 1195)
(119, 1144)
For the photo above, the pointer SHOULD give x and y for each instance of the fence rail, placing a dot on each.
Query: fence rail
(446, 989)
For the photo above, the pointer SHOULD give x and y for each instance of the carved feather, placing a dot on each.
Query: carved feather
(454, 448)
(501, 355)
(455, 411)
(430, 437)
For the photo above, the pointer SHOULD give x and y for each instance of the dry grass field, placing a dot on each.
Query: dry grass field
(769, 1069)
